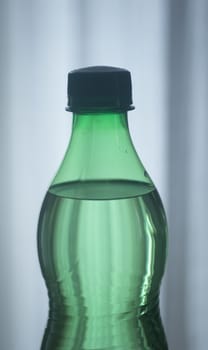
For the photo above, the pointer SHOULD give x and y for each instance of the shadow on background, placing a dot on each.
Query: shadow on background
(178, 143)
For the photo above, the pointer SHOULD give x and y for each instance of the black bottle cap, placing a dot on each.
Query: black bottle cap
(99, 87)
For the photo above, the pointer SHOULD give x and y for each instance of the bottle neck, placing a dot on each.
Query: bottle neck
(100, 133)
(100, 148)
(100, 121)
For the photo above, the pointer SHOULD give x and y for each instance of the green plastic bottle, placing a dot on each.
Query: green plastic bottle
(102, 229)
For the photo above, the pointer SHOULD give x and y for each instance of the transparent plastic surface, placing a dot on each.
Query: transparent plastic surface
(102, 250)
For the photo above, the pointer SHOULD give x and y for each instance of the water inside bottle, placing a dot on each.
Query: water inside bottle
(102, 249)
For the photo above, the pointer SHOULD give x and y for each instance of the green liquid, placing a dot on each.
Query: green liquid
(102, 249)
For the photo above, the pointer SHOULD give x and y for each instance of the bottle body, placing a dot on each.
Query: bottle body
(102, 244)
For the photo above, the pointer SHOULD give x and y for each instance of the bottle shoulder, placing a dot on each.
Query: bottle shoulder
(101, 150)
(119, 165)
